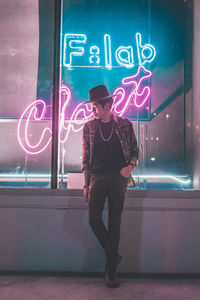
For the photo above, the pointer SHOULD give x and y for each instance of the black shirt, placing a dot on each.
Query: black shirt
(108, 155)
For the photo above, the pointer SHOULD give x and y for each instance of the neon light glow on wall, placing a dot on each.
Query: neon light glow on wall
(75, 45)
(82, 113)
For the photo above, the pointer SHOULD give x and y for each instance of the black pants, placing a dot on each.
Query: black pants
(113, 187)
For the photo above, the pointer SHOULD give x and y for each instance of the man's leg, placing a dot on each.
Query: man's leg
(97, 196)
(116, 197)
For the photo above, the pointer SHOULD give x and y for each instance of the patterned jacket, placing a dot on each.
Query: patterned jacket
(124, 130)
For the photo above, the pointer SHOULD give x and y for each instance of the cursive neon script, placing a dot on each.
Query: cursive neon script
(138, 96)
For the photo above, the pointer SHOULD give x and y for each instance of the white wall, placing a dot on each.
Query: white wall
(48, 230)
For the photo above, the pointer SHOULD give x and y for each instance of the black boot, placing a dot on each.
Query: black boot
(110, 269)
(112, 280)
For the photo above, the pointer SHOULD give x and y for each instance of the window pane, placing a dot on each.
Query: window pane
(26, 90)
(142, 51)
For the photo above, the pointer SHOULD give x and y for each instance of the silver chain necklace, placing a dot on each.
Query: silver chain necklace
(103, 138)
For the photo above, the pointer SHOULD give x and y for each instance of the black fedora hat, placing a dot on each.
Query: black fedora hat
(98, 94)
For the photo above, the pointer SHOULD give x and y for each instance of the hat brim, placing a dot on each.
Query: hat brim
(99, 100)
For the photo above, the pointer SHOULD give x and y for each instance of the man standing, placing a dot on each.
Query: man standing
(109, 155)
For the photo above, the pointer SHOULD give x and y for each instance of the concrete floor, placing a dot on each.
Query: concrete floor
(60, 287)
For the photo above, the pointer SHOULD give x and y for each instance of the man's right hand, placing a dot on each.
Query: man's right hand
(86, 193)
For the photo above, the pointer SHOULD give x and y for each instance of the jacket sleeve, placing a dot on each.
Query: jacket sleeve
(85, 148)
(133, 145)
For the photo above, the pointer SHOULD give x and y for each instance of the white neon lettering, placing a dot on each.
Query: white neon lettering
(70, 50)
(124, 56)
(94, 58)
(126, 62)
(141, 49)
(107, 47)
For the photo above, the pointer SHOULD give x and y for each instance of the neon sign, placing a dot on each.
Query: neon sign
(71, 39)
(75, 45)
(22, 131)
(137, 98)
(35, 112)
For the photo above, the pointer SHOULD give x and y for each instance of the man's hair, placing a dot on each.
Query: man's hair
(104, 102)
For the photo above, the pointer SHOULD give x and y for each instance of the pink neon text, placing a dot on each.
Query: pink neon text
(138, 96)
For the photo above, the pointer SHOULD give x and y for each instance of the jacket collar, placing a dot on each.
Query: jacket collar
(116, 119)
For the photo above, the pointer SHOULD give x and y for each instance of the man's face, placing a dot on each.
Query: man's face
(98, 111)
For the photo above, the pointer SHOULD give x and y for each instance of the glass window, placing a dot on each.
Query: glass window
(142, 51)
(26, 92)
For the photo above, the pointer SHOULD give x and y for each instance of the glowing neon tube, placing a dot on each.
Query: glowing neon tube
(82, 113)
(32, 111)
(174, 178)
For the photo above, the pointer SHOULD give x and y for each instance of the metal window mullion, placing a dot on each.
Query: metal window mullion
(55, 101)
